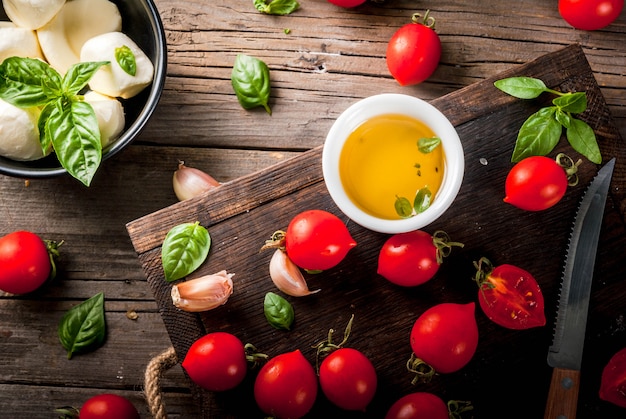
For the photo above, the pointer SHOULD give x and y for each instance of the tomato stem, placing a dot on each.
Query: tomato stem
(423, 371)
(571, 168)
(53, 254)
(276, 241)
(444, 245)
(253, 356)
(327, 346)
(427, 20)
(456, 407)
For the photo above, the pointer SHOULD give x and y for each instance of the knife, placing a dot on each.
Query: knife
(565, 354)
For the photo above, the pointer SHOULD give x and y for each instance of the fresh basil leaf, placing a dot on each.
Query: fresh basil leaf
(73, 130)
(403, 207)
(78, 75)
(42, 122)
(564, 118)
(538, 136)
(83, 327)
(184, 249)
(422, 200)
(251, 81)
(582, 139)
(571, 102)
(28, 82)
(427, 145)
(126, 59)
(278, 311)
(522, 87)
(276, 7)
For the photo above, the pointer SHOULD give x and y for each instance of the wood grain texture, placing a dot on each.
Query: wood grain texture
(331, 58)
(242, 214)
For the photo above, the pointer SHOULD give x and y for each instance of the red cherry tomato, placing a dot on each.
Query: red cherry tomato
(317, 240)
(613, 381)
(419, 405)
(509, 296)
(590, 15)
(26, 262)
(414, 51)
(348, 379)
(535, 183)
(347, 3)
(107, 406)
(446, 336)
(286, 386)
(216, 361)
(412, 258)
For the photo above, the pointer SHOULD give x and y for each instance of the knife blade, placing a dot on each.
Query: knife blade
(565, 353)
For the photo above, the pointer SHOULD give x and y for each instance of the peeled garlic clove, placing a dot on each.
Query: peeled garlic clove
(204, 293)
(287, 276)
(189, 182)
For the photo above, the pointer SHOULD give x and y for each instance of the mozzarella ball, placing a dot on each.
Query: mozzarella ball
(110, 114)
(19, 134)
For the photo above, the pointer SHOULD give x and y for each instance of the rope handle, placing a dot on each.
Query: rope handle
(152, 381)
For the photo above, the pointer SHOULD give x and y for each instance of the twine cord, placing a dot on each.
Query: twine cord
(152, 381)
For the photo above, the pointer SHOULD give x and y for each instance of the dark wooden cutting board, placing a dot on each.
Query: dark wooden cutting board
(509, 368)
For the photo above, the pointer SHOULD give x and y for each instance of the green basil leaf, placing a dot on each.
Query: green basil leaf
(538, 136)
(582, 139)
(571, 102)
(73, 130)
(278, 311)
(78, 75)
(276, 7)
(83, 327)
(42, 122)
(184, 249)
(564, 118)
(251, 81)
(403, 207)
(521, 87)
(422, 200)
(126, 59)
(27, 82)
(427, 145)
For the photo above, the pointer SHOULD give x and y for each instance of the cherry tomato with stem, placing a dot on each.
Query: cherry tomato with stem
(510, 296)
(286, 386)
(414, 51)
(590, 15)
(425, 405)
(537, 183)
(347, 377)
(444, 337)
(347, 3)
(613, 380)
(315, 240)
(107, 406)
(218, 361)
(413, 258)
(27, 261)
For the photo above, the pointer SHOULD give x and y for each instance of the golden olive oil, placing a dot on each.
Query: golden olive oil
(381, 161)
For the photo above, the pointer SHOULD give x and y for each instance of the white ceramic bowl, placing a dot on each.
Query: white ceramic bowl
(391, 103)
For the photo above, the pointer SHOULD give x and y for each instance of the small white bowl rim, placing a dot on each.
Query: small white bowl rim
(394, 103)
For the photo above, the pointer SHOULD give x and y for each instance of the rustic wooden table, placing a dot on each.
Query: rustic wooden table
(330, 58)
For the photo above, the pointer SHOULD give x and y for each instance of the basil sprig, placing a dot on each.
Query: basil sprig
(541, 132)
(83, 327)
(184, 249)
(276, 7)
(251, 81)
(278, 311)
(126, 59)
(66, 122)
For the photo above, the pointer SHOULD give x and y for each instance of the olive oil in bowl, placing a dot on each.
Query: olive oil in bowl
(382, 161)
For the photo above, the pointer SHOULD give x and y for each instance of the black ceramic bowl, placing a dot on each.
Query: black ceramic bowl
(142, 23)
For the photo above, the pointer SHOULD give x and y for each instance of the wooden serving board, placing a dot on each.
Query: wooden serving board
(509, 368)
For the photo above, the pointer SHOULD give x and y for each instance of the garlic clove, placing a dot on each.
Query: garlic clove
(189, 182)
(204, 293)
(287, 276)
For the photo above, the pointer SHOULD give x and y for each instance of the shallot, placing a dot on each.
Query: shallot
(287, 276)
(189, 182)
(203, 293)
